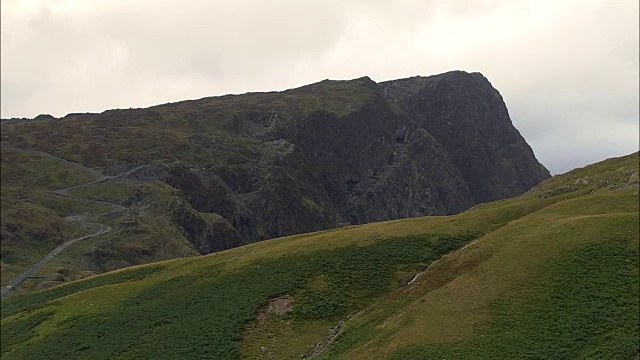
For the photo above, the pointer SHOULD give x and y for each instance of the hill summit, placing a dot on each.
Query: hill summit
(215, 173)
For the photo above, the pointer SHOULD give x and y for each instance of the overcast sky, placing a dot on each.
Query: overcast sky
(567, 70)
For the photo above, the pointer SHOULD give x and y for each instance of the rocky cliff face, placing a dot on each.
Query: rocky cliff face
(469, 118)
(256, 166)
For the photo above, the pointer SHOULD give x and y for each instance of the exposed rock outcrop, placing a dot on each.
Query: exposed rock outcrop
(261, 165)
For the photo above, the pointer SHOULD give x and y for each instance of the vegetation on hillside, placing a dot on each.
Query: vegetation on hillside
(551, 274)
(34, 220)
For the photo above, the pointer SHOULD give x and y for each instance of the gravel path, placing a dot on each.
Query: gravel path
(77, 219)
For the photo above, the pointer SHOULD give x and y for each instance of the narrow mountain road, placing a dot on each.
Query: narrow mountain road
(79, 220)
(102, 229)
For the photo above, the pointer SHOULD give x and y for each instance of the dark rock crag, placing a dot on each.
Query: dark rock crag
(262, 165)
(419, 146)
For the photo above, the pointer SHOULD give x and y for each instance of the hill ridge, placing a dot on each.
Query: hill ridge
(231, 170)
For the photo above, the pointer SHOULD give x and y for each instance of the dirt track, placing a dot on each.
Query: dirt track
(80, 220)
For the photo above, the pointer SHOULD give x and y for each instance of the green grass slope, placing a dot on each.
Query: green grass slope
(549, 274)
(559, 283)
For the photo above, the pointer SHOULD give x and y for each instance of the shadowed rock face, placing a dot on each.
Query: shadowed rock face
(261, 165)
(469, 118)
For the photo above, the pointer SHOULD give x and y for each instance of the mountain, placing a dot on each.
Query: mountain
(550, 274)
(201, 176)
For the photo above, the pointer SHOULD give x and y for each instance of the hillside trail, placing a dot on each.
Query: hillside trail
(78, 220)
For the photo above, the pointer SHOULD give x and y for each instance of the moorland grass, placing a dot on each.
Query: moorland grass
(584, 306)
(486, 299)
(18, 304)
(202, 315)
(37, 171)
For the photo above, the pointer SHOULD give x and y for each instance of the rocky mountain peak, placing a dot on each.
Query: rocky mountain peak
(261, 165)
(470, 119)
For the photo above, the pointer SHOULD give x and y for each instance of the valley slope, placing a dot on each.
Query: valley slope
(552, 273)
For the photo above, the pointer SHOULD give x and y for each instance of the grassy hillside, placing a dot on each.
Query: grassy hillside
(32, 220)
(549, 274)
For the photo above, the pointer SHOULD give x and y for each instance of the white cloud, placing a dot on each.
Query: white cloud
(568, 69)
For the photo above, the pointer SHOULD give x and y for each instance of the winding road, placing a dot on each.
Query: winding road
(80, 220)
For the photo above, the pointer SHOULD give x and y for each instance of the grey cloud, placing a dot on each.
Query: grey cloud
(137, 48)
